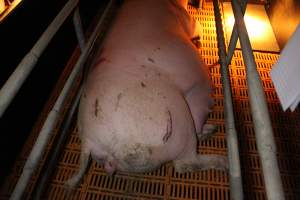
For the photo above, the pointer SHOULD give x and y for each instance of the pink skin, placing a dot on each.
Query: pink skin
(137, 37)
(148, 94)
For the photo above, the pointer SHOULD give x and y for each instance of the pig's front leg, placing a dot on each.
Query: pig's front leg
(190, 161)
(200, 104)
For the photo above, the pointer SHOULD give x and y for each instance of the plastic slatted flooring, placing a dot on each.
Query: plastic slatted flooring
(165, 183)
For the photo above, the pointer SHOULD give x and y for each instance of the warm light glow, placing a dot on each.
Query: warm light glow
(259, 29)
(5, 9)
(256, 27)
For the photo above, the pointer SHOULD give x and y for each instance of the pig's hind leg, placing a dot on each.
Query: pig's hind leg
(189, 160)
(201, 162)
(83, 165)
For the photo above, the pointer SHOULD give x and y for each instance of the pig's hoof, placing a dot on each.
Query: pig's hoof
(208, 131)
(221, 163)
(110, 167)
(196, 41)
(202, 162)
(184, 167)
(213, 162)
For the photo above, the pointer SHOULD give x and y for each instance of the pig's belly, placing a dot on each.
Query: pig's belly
(138, 121)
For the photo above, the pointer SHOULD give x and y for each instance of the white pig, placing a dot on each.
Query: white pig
(148, 94)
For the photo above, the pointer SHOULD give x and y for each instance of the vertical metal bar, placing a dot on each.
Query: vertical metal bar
(44, 135)
(78, 29)
(22, 71)
(261, 119)
(234, 35)
(235, 178)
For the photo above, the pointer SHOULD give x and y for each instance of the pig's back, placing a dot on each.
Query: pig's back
(155, 33)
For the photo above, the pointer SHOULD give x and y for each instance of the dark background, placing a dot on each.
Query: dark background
(19, 32)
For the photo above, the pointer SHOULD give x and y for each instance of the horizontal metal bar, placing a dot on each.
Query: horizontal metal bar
(44, 135)
(235, 178)
(261, 119)
(22, 71)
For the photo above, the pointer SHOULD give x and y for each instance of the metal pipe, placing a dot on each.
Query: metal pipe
(55, 153)
(78, 29)
(261, 119)
(22, 71)
(234, 35)
(235, 178)
(44, 135)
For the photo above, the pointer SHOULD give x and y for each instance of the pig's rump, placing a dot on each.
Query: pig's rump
(133, 121)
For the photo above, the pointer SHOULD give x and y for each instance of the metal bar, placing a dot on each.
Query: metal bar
(78, 29)
(234, 35)
(261, 119)
(22, 71)
(54, 155)
(44, 135)
(235, 178)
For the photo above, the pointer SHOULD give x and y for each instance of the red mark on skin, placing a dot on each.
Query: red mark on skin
(100, 60)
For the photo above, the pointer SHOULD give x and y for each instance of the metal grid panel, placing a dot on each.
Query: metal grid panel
(165, 183)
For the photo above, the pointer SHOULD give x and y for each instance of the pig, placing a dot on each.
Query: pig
(147, 96)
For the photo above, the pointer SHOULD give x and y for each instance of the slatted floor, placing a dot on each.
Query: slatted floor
(165, 183)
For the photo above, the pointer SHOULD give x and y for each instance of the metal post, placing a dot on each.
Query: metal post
(261, 119)
(234, 35)
(236, 187)
(78, 29)
(44, 135)
(22, 71)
